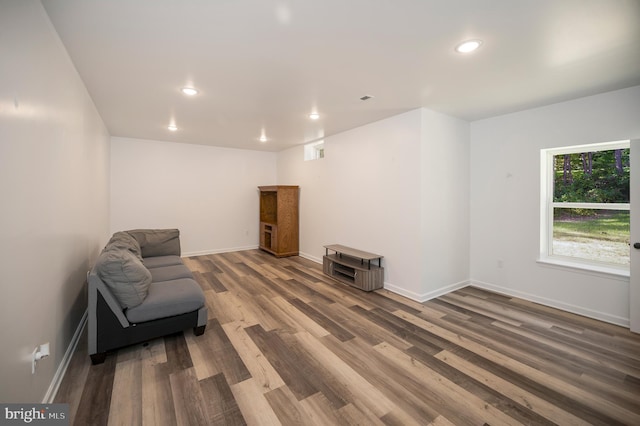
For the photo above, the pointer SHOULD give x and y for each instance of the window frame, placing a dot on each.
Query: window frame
(547, 206)
(314, 150)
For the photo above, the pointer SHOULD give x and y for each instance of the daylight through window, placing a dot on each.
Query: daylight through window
(314, 151)
(585, 195)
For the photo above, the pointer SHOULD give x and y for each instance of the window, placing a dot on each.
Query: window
(585, 205)
(314, 151)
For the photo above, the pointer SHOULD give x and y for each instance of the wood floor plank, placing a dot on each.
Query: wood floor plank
(95, 400)
(305, 292)
(177, 351)
(126, 397)
(227, 267)
(188, 401)
(286, 406)
(378, 371)
(214, 282)
(257, 266)
(401, 299)
(441, 421)
(286, 344)
(259, 367)
(563, 399)
(220, 404)
(362, 393)
(213, 353)
(438, 310)
(154, 352)
(251, 294)
(352, 415)
(513, 408)
(254, 406)
(360, 326)
(77, 372)
(491, 302)
(157, 400)
(316, 372)
(282, 360)
(303, 322)
(319, 411)
(608, 412)
(326, 323)
(483, 307)
(281, 273)
(593, 356)
(415, 336)
(257, 286)
(402, 418)
(468, 407)
(201, 264)
(229, 307)
(335, 291)
(281, 319)
(567, 362)
(569, 320)
(621, 393)
(302, 274)
(157, 408)
(526, 399)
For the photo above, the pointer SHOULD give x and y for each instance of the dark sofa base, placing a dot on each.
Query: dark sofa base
(111, 335)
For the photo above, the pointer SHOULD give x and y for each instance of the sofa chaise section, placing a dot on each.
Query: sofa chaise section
(139, 289)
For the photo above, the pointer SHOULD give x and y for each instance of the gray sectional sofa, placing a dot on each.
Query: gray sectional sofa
(139, 289)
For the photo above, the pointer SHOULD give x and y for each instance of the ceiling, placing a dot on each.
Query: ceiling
(262, 66)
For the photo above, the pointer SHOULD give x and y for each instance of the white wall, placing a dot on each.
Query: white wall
(54, 186)
(445, 204)
(374, 191)
(364, 193)
(505, 213)
(209, 193)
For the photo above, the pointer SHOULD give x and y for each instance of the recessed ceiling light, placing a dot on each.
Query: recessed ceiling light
(468, 46)
(189, 91)
(314, 116)
(172, 127)
(263, 138)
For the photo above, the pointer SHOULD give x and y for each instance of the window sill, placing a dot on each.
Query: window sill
(606, 271)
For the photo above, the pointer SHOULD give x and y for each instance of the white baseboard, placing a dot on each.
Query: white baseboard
(216, 251)
(403, 292)
(425, 296)
(66, 359)
(311, 258)
(601, 316)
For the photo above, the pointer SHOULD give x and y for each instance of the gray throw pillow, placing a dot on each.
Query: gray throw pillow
(125, 275)
(124, 241)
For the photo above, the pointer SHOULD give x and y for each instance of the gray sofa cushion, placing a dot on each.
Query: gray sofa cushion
(167, 299)
(159, 261)
(172, 272)
(124, 241)
(125, 275)
(157, 242)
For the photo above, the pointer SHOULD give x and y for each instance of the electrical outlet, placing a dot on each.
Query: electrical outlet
(39, 353)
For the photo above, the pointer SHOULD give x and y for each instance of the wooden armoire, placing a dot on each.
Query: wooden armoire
(279, 229)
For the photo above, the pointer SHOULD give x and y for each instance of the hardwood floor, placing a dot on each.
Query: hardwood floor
(287, 345)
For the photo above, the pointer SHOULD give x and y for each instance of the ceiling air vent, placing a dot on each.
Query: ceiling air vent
(366, 98)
